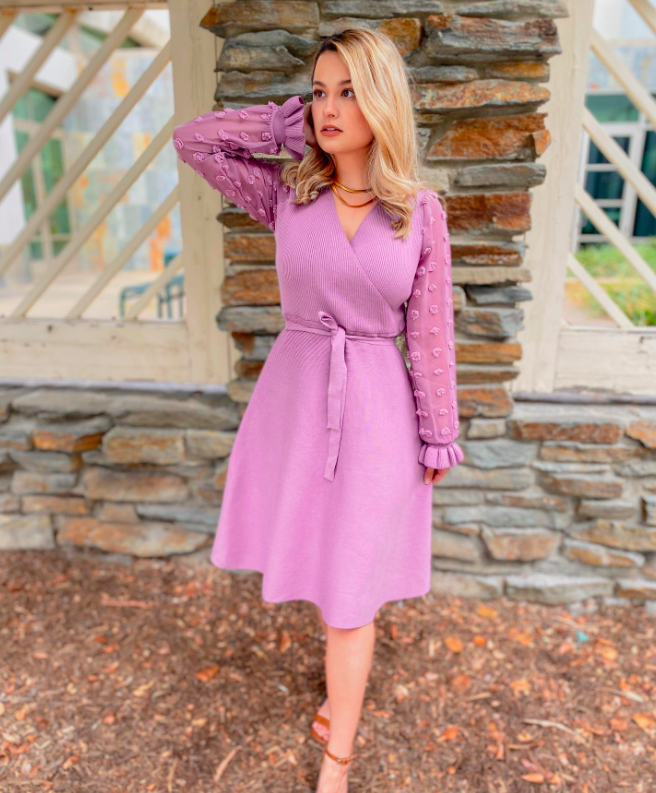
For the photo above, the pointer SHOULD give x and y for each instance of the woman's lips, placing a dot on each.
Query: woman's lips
(330, 132)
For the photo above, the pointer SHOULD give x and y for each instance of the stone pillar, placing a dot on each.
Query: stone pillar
(477, 70)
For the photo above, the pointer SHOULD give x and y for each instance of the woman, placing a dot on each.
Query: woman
(326, 492)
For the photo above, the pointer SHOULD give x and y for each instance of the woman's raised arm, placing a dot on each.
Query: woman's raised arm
(220, 146)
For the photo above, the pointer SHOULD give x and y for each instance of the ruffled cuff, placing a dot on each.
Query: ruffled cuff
(287, 126)
(440, 457)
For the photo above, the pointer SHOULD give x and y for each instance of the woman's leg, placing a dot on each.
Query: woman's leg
(324, 627)
(349, 653)
(324, 710)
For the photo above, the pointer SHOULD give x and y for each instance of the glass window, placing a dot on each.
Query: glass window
(29, 195)
(38, 23)
(91, 39)
(604, 184)
(597, 157)
(612, 212)
(34, 106)
(645, 223)
(611, 107)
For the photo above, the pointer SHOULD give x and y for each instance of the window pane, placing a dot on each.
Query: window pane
(37, 23)
(27, 179)
(595, 156)
(645, 224)
(52, 169)
(612, 212)
(604, 184)
(611, 107)
(33, 105)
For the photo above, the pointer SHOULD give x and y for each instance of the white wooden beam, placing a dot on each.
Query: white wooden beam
(28, 6)
(646, 11)
(605, 226)
(119, 262)
(118, 193)
(584, 355)
(194, 52)
(25, 79)
(635, 90)
(167, 274)
(59, 191)
(148, 32)
(66, 102)
(95, 350)
(552, 202)
(6, 21)
(620, 159)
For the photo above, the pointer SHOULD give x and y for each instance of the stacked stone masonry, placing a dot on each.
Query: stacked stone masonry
(124, 472)
(478, 72)
(552, 503)
(555, 503)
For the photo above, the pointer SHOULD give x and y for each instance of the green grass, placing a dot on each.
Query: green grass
(624, 285)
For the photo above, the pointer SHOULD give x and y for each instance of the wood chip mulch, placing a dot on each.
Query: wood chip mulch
(121, 675)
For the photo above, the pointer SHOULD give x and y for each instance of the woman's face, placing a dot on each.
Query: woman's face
(334, 104)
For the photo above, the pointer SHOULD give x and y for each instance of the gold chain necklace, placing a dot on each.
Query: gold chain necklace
(350, 190)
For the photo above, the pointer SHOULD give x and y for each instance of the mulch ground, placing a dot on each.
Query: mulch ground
(156, 675)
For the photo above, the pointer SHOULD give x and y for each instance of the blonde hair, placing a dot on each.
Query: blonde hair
(382, 86)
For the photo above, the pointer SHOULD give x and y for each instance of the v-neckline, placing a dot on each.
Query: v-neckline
(349, 242)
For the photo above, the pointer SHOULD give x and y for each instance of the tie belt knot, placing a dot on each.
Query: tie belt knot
(336, 397)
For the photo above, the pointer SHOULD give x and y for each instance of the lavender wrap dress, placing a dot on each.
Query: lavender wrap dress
(324, 493)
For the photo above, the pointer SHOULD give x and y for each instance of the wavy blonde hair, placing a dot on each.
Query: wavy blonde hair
(382, 87)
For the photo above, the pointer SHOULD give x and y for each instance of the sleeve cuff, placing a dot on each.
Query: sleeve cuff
(440, 457)
(287, 126)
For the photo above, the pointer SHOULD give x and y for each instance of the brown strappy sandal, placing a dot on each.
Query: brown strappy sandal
(322, 720)
(342, 760)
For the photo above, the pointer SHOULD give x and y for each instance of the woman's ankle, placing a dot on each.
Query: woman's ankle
(339, 750)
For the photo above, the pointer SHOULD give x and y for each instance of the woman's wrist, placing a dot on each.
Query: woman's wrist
(308, 128)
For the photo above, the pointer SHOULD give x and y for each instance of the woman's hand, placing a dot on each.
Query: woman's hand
(308, 125)
(434, 475)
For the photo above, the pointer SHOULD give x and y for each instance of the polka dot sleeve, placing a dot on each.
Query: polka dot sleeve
(430, 341)
(220, 146)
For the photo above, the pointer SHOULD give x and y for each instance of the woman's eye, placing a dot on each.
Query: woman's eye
(319, 91)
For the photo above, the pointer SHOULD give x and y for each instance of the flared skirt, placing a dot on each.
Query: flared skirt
(348, 545)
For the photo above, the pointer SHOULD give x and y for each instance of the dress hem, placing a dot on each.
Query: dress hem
(289, 598)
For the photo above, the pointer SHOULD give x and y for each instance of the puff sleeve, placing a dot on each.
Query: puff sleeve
(430, 341)
(220, 146)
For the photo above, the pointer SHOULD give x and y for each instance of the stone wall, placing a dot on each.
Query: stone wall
(124, 472)
(555, 503)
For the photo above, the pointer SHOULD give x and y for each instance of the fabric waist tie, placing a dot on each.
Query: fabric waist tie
(337, 376)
